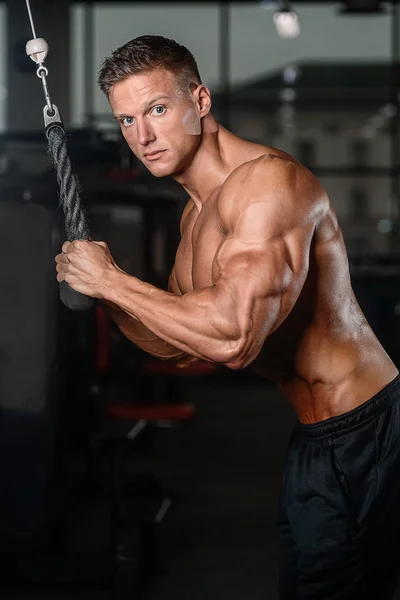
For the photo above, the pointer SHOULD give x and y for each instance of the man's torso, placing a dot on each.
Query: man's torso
(324, 355)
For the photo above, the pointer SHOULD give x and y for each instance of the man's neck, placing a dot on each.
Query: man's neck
(212, 163)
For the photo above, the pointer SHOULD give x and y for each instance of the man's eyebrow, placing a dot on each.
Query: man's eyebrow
(146, 105)
(150, 102)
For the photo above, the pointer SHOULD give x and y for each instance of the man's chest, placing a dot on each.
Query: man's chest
(199, 245)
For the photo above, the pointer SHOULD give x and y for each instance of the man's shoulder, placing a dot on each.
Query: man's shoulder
(274, 178)
(266, 168)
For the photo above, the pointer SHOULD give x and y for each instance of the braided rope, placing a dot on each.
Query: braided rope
(76, 222)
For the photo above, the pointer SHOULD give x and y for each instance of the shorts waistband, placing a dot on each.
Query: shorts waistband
(388, 396)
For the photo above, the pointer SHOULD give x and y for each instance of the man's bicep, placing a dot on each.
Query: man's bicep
(271, 221)
(263, 249)
(256, 281)
(260, 271)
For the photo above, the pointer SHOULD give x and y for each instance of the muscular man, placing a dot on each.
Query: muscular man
(261, 278)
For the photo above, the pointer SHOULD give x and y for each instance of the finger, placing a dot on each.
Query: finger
(75, 245)
(65, 246)
(102, 244)
(62, 259)
(61, 268)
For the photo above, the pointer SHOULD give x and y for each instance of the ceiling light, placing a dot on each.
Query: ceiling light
(286, 22)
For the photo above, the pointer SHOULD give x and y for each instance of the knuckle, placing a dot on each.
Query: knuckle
(78, 244)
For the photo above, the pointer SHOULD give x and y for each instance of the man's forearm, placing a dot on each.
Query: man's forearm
(141, 336)
(199, 323)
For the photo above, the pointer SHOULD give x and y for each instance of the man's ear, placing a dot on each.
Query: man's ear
(202, 96)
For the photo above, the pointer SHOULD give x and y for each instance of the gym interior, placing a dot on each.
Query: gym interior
(122, 476)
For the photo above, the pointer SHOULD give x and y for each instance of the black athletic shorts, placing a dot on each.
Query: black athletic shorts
(340, 513)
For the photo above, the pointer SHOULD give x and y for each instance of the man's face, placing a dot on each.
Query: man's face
(160, 123)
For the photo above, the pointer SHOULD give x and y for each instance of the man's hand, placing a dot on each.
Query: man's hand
(86, 266)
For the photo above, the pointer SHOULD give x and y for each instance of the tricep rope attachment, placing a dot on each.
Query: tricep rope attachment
(76, 222)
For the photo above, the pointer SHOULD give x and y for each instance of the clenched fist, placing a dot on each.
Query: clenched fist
(87, 267)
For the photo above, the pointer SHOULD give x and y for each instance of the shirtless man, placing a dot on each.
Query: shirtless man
(261, 278)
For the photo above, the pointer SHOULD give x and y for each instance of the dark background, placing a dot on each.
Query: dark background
(178, 499)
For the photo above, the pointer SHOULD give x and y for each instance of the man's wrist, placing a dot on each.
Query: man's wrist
(115, 278)
(119, 286)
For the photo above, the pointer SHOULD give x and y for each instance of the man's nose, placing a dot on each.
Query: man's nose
(144, 133)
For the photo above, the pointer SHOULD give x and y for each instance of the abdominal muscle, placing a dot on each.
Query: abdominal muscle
(325, 373)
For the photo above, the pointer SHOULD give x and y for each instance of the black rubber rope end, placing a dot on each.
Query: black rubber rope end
(75, 300)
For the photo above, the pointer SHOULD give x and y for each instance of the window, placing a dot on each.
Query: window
(306, 152)
(358, 247)
(359, 153)
(358, 204)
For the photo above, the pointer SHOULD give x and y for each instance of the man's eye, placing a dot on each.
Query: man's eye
(126, 121)
(158, 110)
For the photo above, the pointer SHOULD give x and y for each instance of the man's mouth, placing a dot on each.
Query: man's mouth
(154, 155)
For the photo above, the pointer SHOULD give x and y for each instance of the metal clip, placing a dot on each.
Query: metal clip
(42, 73)
(53, 120)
